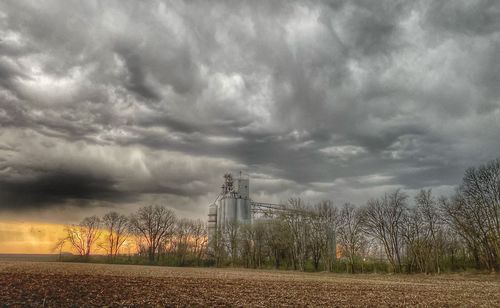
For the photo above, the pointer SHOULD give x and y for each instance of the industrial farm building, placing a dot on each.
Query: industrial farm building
(234, 205)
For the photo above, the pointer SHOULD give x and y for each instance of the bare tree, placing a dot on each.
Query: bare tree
(259, 239)
(231, 235)
(317, 240)
(382, 219)
(416, 239)
(199, 233)
(59, 245)
(116, 226)
(217, 247)
(350, 233)
(153, 224)
(327, 216)
(181, 239)
(83, 236)
(247, 247)
(427, 208)
(474, 213)
(278, 240)
(296, 218)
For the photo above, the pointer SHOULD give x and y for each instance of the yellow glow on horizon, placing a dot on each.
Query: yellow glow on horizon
(29, 237)
(41, 238)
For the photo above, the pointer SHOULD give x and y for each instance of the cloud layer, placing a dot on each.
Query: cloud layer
(124, 103)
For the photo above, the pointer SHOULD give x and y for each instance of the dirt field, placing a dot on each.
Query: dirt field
(70, 284)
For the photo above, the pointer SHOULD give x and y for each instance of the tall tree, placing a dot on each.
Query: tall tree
(278, 240)
(350, 233)
(231, 235)
(416, 239)
(474, 212)
(327, 216)
(426, 205)
(199, 232)
(382, 218)
(316, 240)
(116, 227)
(182, 235)
(153, 224)
(247, 239)
(296, 218)
(83, 236)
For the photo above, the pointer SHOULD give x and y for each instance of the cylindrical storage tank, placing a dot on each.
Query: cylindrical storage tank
(239, 205)
(212, 220)
(221, 214)
(212, 215)
(230, 205)
(247, 211)
(243, 209)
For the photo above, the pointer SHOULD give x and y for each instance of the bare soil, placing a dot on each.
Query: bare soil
(52, 284)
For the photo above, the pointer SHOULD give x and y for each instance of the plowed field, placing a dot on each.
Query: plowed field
(47, 284)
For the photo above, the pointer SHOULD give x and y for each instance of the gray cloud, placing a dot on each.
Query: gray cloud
(480, 17)
(57, 188)
(125, 103)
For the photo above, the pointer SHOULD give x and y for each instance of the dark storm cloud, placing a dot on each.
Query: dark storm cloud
(132, 102)
(57, 188)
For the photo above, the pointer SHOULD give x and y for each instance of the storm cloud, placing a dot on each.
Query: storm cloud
(122, 103)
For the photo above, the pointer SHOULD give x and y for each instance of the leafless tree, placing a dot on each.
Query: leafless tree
(316, 241)
(153, 224)
(83, 236)
(116, 227)
(278, 240)
(217, 247)
(180, 241)
(327, 216)
(296, 219)
(260, 250)
(474, 213)
(199, 235)
(426, 206)
(350, 234)
(59, 245)
(231, 233)
(247, 239)
(382, 218)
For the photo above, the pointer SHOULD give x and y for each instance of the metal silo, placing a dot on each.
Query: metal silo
(247, 209)
(243, 210)
(221, 211)
(232, 205)
(231, 209)
(212, 220)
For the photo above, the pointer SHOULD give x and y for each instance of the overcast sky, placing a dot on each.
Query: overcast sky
(116, 104)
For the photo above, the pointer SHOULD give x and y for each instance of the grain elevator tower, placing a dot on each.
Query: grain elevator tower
(233, 204)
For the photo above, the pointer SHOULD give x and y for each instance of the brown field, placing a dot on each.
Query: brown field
(52, 284)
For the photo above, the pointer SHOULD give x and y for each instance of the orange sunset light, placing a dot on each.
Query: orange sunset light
(29, 237)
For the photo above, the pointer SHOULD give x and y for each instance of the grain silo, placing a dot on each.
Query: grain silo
(232, 206)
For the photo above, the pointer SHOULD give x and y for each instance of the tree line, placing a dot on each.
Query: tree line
(396, 233)
(153, 234)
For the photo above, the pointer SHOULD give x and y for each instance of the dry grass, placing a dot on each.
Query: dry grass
(70, 284)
